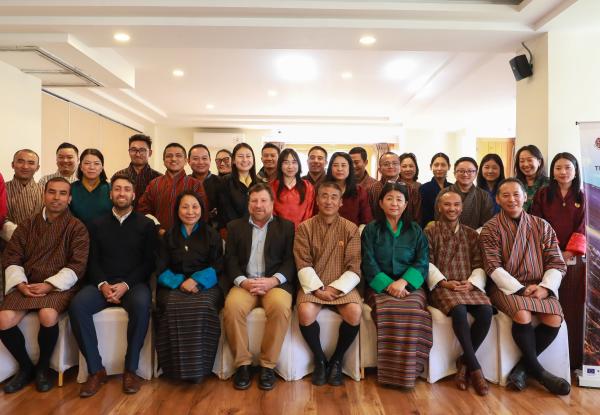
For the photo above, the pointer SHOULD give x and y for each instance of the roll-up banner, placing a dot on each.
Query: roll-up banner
(590, 166)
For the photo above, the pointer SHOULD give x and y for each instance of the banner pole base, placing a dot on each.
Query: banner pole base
(588, 381)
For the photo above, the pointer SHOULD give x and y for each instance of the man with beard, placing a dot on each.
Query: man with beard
(122, 247)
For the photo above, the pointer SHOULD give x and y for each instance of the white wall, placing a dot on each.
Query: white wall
(20, 115)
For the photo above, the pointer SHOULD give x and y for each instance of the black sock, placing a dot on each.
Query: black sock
(482, 314)
(346, 336)
(15, 343)
(524, 336)
(47, 337)
(311, 336)
(461, 328)
(544, 336)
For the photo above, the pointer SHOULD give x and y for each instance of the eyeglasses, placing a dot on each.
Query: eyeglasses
(140, 151)
(391, 164)
(469, 172)
(223, 160)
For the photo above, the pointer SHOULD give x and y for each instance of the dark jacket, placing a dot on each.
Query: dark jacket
(279, 255)
(232, 200)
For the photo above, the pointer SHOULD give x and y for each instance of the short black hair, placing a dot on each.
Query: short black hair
(141, 137)
(512, 180)
(359, 150)
(467, 159)
(442, 155)
(67, 145)
(173, 145)
(260, 187)
(198, 146)
(57, 179)
(271, 145)
(414, 159)
(122, 177)
(329, 183)
(317, 148)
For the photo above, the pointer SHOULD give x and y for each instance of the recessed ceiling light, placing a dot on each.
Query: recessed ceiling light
(368, 40)
(296, 68)
(272, 93)
(121, 37)
(399, 69)
(347, 75)
(178, 73)
(210, 106)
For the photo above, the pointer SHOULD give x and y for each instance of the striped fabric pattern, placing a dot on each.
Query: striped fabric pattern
(525, 250)
(141, 180)
(414, 197)
(188, 331)
(331, 250)
(456, 255)
(24, 202)
(404, 337)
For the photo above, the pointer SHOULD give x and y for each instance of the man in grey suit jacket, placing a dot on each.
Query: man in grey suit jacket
(259, 264)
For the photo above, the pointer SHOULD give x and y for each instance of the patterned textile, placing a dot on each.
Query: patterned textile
(187, 332)
(414, 198)
(477, 206)
(404, 337)
(43, 249)
(331, 249)
(456, 254)
(572, 299)
(72, 178)
(24, 202)
(141, 180)
(540, 182)
(525, 250)
(367, 183)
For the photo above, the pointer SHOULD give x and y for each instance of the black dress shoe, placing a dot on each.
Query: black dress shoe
(19, 381)
(267, 379)
(43, 383)
(242, 378)
(335, 377)
(319, 375)
(517, 378)
(196, 381)
(554, 384)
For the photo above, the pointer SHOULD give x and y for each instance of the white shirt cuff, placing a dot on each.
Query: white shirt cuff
(101, 284)
(63, 279)
(13, 276)
(153, 219)
(282, 279)
(239, 280)
(506, 282)
(434, 276)
(551, 280)
(346, 282)
(478, 278)
(7, 230)
(309, 280)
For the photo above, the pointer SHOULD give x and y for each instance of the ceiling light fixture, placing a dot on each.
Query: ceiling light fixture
(210, 106)
(400, 69)
(367, 40)
(272, 93)
(178, 73)
(347, 75)
(297, 68)
(121, 37)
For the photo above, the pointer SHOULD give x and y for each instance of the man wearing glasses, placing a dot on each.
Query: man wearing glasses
(477, 203)
(140, 172)
(223, 162)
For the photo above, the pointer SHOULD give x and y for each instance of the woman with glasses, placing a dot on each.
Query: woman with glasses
(529, 169)
(355, 201)
(440, 164)
(562, 204)
(223, 162)
(294, 196)
(90, 194)
(490, 175)
(477, 203)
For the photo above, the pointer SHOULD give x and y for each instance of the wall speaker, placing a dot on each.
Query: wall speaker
(521, 67)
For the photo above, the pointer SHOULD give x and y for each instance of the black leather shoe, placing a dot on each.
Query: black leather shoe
(267, 379)
(319, 375)
(335, 376)
(242, 378)
(554, 384)
(19, 381)
(517, 378)
(43, 383)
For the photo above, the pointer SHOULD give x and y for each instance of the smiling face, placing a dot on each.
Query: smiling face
(316, 161)
(25, 165)
(393, 204)
(57, 197)
(223, 162)
(199, 160)
(260, 206)
(511, 198)
(564, 172)
(139, 152)
(269, 158)
(528, 164)
(389, 166)
(450, 206)
(408, 169)
(122, 194)
(359, 165)
(244, 160)
(174, 159)
(189, 211)
(340, 168)
(490, 171)
(465, 173)
(91, 167)
(329, 200)
(66, 161)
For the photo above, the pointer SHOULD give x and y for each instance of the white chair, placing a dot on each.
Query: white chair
(65, 353)
(111, 330)
(555, 359)
(329, 321)
(446, 349)
(224, 363)
(368, 340)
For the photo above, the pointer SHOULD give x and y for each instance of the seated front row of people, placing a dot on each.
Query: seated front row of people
(47, 255)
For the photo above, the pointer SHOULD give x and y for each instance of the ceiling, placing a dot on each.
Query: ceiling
(449, 59)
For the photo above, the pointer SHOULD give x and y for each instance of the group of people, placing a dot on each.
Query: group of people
(333, 238)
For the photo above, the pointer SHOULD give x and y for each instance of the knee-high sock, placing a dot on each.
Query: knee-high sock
(544, 336)
(346, 336)
(15, 343)
(461, 328)
(524, 336)
(483, 320)
(311, 335)
(47, 337)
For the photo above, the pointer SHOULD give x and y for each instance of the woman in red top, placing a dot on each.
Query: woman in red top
(562, 204)
(294, 197)
(355, 201)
